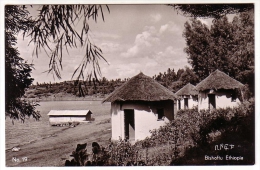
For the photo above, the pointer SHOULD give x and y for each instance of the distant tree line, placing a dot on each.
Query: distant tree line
(176, 80)
(77, 88)
(170, 79)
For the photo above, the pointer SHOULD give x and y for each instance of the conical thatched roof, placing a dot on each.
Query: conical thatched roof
(218, 80)
(188, 89)
(141, 88)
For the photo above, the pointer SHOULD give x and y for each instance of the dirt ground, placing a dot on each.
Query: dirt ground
(56, 149)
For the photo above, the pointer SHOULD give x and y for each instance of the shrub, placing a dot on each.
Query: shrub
(116, 154)
(236, 126)
(185, 140)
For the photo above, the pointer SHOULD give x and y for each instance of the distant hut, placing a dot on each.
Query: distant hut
(141, 104)
(66, 116)
(218, 90)
(188, 97)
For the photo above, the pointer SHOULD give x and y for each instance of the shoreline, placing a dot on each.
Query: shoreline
(43, 145)
(47, 99)
(54, 149)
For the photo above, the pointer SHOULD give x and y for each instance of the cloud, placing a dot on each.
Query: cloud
(163, 28)
(152, 40)
(171, 57)
(158, 61)
(147, 38)
(144, 41)
(170, 26)
(98, 35)
(120, 70)
(131, 51)
(157, 47)
(151, 64)
(109, 47)
(155, 17)
(166, 53)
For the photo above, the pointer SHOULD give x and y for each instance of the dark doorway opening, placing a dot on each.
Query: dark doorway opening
(129, 120)
(186, 103)
(212, 101)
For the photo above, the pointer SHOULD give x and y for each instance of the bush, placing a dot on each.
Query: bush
(31, 96)
(235, 126)
(116, 154)
(185, 140)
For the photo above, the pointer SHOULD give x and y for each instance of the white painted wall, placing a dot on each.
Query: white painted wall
(54, 120)
(223, 100)
(117, 121)
(191, 100)
(146, 121)
(146, 117)
(203, 102)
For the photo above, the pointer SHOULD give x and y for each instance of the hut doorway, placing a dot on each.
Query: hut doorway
(186, 103)
(212, 101)
(129, 121)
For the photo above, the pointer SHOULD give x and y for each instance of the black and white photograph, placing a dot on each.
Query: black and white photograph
(130, 84)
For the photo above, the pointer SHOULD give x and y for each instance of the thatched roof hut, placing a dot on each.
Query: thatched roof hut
(141, 88)
(188, 89)
(140, 98)
(218, 80)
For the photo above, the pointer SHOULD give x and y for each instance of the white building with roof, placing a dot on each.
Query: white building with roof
(65, 116)
(138, 106)
(188, 97)
(218, 90)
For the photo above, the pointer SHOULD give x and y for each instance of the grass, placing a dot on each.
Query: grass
(52, 145)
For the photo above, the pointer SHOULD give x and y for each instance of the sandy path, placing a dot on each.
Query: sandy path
(54, 150)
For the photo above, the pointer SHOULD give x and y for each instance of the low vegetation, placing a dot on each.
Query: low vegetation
(184, 141)
(75, 88)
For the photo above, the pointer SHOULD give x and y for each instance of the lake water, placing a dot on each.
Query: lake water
(31, 130)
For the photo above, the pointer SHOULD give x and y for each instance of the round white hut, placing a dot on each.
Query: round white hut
(188, 97)
(218, 90)
(141, 104)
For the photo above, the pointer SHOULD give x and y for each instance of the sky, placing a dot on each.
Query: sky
(133, 38)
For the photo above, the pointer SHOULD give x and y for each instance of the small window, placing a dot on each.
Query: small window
(160, 113)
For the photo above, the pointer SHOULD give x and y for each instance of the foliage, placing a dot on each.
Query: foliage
(75, 88)
(175, 81)
(170, 79)
(166, 78)
(116, 154)
(80, 88)
(52, 30)
(188, 76)
(210, 10)
(227, 46)
(194, 133)
(17, 71)
(122, 153)
(184, 141)
(80, 156)
(234, 126)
